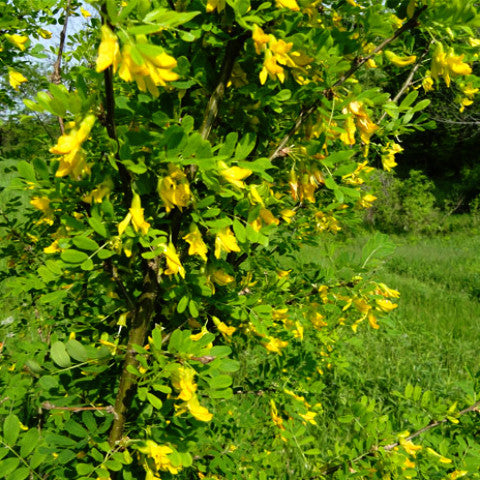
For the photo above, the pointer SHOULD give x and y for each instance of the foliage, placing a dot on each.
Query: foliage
(173, 304)
(404, 205)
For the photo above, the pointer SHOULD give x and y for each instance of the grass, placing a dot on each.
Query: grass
(432, 339)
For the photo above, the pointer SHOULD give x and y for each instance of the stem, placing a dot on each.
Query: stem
(306, 111)
(138, 332)
(232, 51)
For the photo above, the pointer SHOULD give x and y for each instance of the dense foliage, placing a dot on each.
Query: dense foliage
(172, 301)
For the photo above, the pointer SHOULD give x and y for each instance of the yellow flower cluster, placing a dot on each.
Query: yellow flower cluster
(388, 155)
(69, 146)
(357, 119)
(146, 64)
(469, 93)
(15, 79)
(174, 189)
(448, 65)
(134, 216)
(277, 53)
(183, 380)
(18, 41)
(160, 456)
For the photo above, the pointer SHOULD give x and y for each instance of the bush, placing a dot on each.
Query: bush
(404, 205)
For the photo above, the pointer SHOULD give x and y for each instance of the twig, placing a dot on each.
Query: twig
(51, 406)
(306, 111)
(57, 72)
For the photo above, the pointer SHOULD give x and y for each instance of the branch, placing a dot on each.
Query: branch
(57, 72)
(232, 51)
(306, 111)
(125, 177)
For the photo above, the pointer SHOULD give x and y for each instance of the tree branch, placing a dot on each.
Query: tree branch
(306, 111)
(138, 332)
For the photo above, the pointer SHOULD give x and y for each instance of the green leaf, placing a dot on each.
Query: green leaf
(220, 381)
(98, 226)
(54, 298)
(76, 350)
(59, 354)
(85, 243)
(182, 304)
(8, 465)
(73, 256)
(154, 401)
(245, 146)
(26, 170)
(164, 17)
(19, 474)
(11, 429)
(29, 442)
(239, 231)
(87, 265)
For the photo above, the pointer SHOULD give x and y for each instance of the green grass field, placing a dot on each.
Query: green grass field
(432, 339)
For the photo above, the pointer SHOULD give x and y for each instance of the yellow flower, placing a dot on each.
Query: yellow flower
(159, 454)
(108, 51)
(309, 417)
(174, 189)
(457, 474)
(135, 216)
(290, 4)
(153, 71)
(15, 79)
(388, 157)
(385, 305)
(367, 200)
(445, 66)
(348, 137)
(197, 245)
(173, 261)
(182, 380)
(398, 60)
(275, 345)
(100, 192)
(260, 39)
(223, 327)
(220, 277)
(287, 214)
(277, 420)
(41, 203)
(410, 447)
(427, 83)
(225, 241)
(85, 13)
(17, 40)
(218, 5)
(271, 68)
(234, 175)
(372, 320)
(44, 33)
(69, 146)
(52, 248)
(198, 411)
(366, 127)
